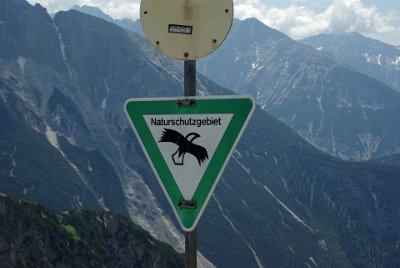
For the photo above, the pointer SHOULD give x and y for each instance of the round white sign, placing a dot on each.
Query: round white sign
(186, 29)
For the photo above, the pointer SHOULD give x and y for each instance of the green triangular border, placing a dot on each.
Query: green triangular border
(241, 107)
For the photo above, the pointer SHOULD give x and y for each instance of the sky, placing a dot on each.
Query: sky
(379, 19)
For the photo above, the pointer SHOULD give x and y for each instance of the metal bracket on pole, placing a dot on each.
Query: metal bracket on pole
(186, 103)
(187, 204)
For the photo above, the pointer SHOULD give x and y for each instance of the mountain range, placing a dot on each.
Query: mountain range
(354, 52)
(326, 101)
(66, 143)
(369, 56)
(128, 24)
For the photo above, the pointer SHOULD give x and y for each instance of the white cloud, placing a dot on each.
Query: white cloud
(122, 10)
(340, 16)
(296, 18)
(117, 9)
(352, 15)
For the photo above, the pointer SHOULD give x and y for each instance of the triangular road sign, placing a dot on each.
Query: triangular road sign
(188, 143)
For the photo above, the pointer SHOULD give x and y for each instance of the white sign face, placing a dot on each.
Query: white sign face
(187, 143)
(186, 29)
(188, 147)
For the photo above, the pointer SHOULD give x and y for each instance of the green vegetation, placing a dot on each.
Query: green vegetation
(33, 236)
(72, 231)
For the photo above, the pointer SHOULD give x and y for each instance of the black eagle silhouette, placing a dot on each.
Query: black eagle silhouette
(185, 145)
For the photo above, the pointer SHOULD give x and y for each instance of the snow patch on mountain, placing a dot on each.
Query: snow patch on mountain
(62, 48)
(294, 215)
(344, 102)
(259, 264)
(21, 62)
(321, 108)
(378, 59)
(227, 184)
(291, 249)
(241, 165)
(397, 63)
(333, 142)
(322, 244)
(90, 167)
(374, 106)
(375, 200)
(52, 138)
(72, 141)
(13, 163)
(224, 215)
(370, 58)
(62, 44)
(370, 143)
(101, 201)
(313, 261)
(26, 190)
(104, 101)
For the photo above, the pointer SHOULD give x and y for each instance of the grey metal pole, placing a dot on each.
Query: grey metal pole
(189, 84)
(191, 249)
(190, 90)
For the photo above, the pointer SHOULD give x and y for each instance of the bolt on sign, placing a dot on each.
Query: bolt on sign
(186, 29)
(188, 144)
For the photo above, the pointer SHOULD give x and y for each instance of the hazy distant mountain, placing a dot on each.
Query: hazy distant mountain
(365, 55)
(280, 202)
(339, 110)
(125, 23)
(94, 11)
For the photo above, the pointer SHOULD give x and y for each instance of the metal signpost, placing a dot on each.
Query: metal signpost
(189, 89)
(188, 140)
